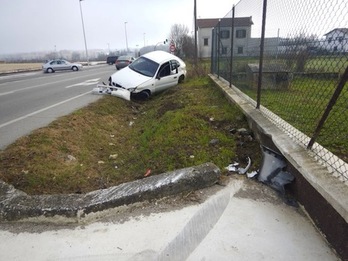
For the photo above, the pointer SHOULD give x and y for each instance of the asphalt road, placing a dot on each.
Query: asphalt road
(32, 100)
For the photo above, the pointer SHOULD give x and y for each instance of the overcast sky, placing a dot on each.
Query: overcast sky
(46, 25)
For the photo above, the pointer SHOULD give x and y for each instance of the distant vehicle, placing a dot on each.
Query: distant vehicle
(123, 61)
(60, 65)
(150, 73)
(111, 60)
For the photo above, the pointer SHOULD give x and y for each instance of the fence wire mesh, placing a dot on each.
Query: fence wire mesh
(292, 58)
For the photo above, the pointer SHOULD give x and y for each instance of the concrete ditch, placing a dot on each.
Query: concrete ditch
(17, 205)
(314, 187)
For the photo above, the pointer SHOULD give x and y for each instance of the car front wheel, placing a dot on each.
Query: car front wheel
(143, 95)
(50, 70)
(181, 78)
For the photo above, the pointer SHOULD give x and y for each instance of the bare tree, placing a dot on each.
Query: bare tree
(178, 33)
(188, 46)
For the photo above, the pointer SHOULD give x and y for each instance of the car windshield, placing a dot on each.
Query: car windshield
(144, 66)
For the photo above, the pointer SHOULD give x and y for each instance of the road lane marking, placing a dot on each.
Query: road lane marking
(42, 110)
(5, 93)
(40, 85)
(88, 82)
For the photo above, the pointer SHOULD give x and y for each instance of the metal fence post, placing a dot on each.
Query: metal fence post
(232, 39)
(218, 50)
(262, 44)
(329, 107)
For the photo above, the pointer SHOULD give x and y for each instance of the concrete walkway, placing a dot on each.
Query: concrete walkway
(244, 220)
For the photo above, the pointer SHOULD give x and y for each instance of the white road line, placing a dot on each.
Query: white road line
(5, 93)
(42, 110)
(85, 83)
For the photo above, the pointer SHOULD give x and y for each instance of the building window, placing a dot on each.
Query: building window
(225, 34)
(205, 42)
(240, 50)
(224, 50)
(330, 39)
(241, 33)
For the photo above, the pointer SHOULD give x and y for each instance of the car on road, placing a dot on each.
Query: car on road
(123, 61)
(60, 65)
(150, 73)
(111, 60)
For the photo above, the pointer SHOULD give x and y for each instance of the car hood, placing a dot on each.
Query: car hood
(127, 78)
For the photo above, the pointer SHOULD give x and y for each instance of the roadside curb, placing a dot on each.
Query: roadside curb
(17, 205)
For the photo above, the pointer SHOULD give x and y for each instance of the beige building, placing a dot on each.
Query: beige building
(242, 35)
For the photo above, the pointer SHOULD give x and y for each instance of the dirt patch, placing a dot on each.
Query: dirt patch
(12, 67)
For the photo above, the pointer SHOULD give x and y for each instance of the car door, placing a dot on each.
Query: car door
(64, 65)
(59, 66)
(166, 77)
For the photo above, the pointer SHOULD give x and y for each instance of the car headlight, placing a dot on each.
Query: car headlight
(131, 89)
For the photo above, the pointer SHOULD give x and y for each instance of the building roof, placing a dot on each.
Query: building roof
(343, 30)
(226, 22)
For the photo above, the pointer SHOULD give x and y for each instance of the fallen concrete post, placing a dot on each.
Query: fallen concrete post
(16, 205)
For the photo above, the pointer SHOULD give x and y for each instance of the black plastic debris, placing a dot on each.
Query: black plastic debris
(273, 171)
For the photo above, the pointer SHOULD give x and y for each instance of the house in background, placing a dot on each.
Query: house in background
(242, 35)
(336, 40)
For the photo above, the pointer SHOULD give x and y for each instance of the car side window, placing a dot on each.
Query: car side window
(174, 65)
(165, 70)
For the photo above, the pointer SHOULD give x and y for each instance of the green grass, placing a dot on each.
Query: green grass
(114, 141)
(304, 103)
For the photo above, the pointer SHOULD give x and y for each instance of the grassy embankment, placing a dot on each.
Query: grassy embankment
(114, 141)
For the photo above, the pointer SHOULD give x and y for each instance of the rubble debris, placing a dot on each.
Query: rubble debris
(252, 174)
(214, 141)
(242, 171)
(113, 91)
(147, 173)
(234, 167)
(101, 89)
(113, 156)
(272, 171)
(71, 158)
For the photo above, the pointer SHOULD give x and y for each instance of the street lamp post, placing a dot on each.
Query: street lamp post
(125, 30)
(84, 34)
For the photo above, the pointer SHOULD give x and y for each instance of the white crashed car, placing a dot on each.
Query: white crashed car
(149, 74)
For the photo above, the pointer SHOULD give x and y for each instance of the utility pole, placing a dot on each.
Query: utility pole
(125, 30)
(195, 17)
(84, 34)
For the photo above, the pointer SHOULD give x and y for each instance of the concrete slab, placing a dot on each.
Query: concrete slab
(244, 220)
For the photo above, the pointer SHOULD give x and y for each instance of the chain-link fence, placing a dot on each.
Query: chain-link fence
(291, 57)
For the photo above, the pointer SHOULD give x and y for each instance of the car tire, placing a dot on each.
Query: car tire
(50, 70)
(75, 69)
(181, 78)
(143, 95)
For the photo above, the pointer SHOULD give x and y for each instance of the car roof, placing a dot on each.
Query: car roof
(125, 57)
(159, 56)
